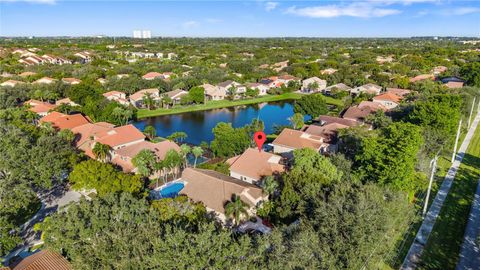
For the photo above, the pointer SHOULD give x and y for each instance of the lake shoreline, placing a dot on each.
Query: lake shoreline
(144, 113)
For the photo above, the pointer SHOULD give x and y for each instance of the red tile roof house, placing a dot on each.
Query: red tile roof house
(328, 133)
(39, 107)
(360, 112)
(289, 140)
(42, 260)
(153, 75)
(288, 78)
(117, 96)
(11, 83)
(399, 92)
(422, 77)
(388, 100)
(137, 98)
(123, 156)
(85, 134)
(215, 190)
(253, 165)
(120, 137)
(64, 121)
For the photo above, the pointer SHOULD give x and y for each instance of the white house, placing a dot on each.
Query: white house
(262, 88)
(308, 85)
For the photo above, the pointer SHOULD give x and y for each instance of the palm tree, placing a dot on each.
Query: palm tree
(231, 92)
(159, 167)
(127, 114)
(144, 161)
(185, 149)
(172, 161)
(101, 151)
(196, 151)
(150, 132)
(236, 208)
(270, 185)
(118, 114)
(148, 100)
(166, 100)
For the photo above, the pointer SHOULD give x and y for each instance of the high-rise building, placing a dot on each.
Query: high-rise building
(142, 34)
(137, 34)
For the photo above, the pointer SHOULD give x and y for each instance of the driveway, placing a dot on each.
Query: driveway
(51, 201)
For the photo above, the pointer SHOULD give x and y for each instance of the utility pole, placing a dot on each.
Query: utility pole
(471, 112)
(433, 165)
(456, 140)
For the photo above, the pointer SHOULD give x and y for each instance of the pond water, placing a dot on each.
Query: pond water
(199, 125)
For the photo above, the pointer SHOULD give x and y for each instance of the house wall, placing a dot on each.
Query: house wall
(281, 149)
(243, 177)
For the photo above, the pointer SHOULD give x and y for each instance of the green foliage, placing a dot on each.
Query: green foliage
(471, 73)
(313, 105)
(297, 120)
(236, 208)
(220, 167)
(104, 178)
(150, 132)
(390, 157)
(197, 95)
(102, 151)
(229, 141)
(177, 136)
(145, 161)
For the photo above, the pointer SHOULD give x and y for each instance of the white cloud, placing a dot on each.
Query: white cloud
(463, 11)
(269, 6)
(190, 24)
(360, 10)
(49, 2)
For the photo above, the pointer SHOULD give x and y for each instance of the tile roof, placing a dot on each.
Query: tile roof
(85, 133)
(71, 80)
(139, 94)
(113, 93)
(357, 114)
(297, 139)
(176, 93)
(326, 119)
(256, 164)
(374, 106)
(39, 106)
(152, 75)
(388, 96)
(399, 91)
(214, 189)
(422, 77)
(64, 121)
(328, 132)
(120, 135)
(44, 260)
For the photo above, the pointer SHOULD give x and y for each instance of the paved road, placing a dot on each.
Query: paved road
(415, 252)
(51, 201)
(470, 251)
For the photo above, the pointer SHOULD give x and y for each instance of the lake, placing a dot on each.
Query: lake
(198, 125)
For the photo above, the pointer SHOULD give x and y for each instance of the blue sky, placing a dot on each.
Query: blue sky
(363, 18)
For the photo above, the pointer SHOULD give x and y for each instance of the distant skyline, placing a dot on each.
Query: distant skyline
(365, 18)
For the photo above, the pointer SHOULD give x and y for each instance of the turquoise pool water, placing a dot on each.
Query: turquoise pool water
(171, 191)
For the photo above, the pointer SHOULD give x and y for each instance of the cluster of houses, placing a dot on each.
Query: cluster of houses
(43, 80)
(133, 56)
(29, 57)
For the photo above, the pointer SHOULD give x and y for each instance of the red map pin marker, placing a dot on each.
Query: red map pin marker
(259, 138)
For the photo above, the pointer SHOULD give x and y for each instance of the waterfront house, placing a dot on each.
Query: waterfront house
(252, 165)
(289, 140)
(262, 88)
(176, 95)
(62, 121)
(313, 84)
(213, 92)
(137, 98)
(117, 96)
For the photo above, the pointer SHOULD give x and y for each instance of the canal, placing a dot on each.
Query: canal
(198, 125)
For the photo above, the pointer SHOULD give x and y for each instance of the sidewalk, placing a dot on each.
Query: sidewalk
(416, 249)
(470, 251)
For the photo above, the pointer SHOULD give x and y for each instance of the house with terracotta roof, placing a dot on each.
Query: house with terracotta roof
(43, 260)
(11, 83)
(313, 84)
(215, 190)
(357, 114)
(84, 56)
(153, 75)
(64, 121)
(438, 70)
(67, 101)
(85, 135)
(44, 80)
(137, 98)
(71, 81)
(123, 156)
(176, 95)
(368, 88)
(27, 74)
(453, 82)
(39, 107)
(120, 137)
(373, 106)
(253, 165)
(327, 119)
(271, 82)
(286, 78)
(289, 140)
(117, 96)
(388, 100)
(422, 77)
(328, 133)
(399, 91)
(213, 92)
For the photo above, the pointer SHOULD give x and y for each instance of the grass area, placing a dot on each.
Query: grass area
(443, 246)
(142, 113)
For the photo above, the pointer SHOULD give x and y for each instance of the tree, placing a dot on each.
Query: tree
(185, 149)
(471, 73)
(172, 161)
(104, 178)
(313, 105)
(150, 132)
(148, 100)
(145, 161)
(236, 208)
(197, 151)
(197, 94)
(178, 136)
(166, 100)
(297, 120)
(229, 141)
(270, 185)
(232, 92)
(102, 151)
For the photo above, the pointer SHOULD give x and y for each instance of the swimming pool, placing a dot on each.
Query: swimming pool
(171, 190)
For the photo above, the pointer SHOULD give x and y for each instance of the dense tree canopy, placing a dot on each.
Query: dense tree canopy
(312, 105)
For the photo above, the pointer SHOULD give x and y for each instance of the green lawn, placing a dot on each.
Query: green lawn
(142, 113)
(443, 246)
